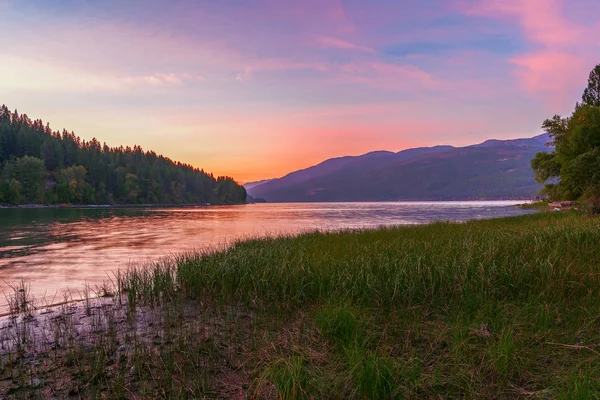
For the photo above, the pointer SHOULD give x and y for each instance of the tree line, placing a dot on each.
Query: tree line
(42, 166)
(572, 170)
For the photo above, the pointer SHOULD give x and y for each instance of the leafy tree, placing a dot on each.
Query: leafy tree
(572, 170)
(29, 173)
(132, 188)
(591, 94)
(71, 186)
(9, 192)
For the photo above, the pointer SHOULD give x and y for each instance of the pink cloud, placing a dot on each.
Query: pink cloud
(165, 79)
(565, 49)
(386, 75)
(406, 71)
(338, 14)
(541, 20)
(244, 75)
(270, 64)
(311, 75)
(552, 73)
(342, 44)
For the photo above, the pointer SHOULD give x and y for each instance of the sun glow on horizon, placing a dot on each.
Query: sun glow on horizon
(257, 91)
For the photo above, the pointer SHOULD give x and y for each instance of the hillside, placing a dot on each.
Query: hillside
(250, 185)
(41, 166)
(495, 169)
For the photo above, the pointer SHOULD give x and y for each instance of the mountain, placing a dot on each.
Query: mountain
(250, 185)
(494, 169)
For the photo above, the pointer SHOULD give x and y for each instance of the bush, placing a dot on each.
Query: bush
(590, 202)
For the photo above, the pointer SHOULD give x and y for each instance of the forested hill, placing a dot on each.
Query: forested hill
(41, 166)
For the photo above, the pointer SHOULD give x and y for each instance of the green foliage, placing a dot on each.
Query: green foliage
(373, 375)
(590, 201)
(504, 308)
(26, 173)
(591, 95)
(545, 166)
(581, 385)
(71, 186)
(574, 166)
(503, 355)
(9, 192)
(435, 263)
(80, 172)
(339, 324)
(290, 377)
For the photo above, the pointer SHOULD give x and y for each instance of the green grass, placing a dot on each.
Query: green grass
(341, 325)
(373, 376)
(289, 376)
(506, 308)
(512, 260)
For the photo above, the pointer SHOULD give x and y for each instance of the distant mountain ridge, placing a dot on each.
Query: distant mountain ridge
(494, 169)
(250, 185)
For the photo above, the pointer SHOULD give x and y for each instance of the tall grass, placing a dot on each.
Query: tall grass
(503, 308)
(546, 258)
(528, 281)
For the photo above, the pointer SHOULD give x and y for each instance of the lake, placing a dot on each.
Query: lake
(60, 249)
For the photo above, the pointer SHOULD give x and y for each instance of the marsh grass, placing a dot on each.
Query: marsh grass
(289, 376)
(374, 376)
(342, 325)
(506, 308)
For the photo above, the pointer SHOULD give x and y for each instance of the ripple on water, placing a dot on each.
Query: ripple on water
(59, 248)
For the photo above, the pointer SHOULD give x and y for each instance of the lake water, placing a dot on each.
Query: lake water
(55, 250)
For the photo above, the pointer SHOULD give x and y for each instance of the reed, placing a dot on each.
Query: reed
(497, 308)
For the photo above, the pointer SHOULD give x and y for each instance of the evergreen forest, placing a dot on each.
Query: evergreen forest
(42, 166)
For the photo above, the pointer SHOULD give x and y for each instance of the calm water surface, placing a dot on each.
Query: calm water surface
(61, 249)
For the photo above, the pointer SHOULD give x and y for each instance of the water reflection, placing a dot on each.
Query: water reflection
(60, 249)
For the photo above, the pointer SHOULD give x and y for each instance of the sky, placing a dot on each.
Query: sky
(259, 88)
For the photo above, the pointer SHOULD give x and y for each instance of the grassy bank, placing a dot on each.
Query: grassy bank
(500, 308)
(535, 205)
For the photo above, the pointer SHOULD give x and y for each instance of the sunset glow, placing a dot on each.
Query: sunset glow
(257, 89)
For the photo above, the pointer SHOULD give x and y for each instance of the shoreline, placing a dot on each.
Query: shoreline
(488, 308)
(55, 351)
(67, 206)
(137, 253)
